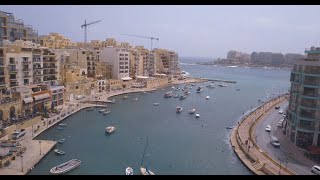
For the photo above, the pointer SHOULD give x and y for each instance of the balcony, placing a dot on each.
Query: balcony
(2, 84)
(14, 84)
(26, 69)
(312, 51)
(49, 60)
(37, 75)
(1, 73)
(49, 67)
(49, 72)
(26, 76)
(37, 67)
(13, 71)
(312, 70)
(26, 62)
(50, 78)
(307, 127)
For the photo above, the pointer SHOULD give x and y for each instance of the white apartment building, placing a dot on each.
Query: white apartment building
(119, 59)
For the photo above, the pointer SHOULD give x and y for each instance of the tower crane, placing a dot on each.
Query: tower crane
(85, 28)
(146, 37)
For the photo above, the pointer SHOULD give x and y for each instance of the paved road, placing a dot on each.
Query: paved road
(263, 141)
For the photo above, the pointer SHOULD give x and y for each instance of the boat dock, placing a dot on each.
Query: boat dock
(219, 80)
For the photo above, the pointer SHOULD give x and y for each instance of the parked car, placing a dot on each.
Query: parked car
(279, 124)
(315, 170)
(268, 128)
(274, 141)
(277, 107)
(281, 111)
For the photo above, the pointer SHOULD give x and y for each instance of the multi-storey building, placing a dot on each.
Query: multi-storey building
(165, 61)
(14, 29)
(3, 70)
(303, 114)
(148, 65)
(119, 59)
(50, 67)
(291, 58)
(55, 41)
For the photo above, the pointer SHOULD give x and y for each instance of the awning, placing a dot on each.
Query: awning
(41, 96)
(28, 100)
(126, 78)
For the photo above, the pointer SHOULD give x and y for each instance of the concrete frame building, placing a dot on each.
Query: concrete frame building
(303, 114)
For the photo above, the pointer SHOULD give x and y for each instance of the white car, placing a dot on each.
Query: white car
(268, 128)
(284, 115)
(281, 120)
(315, 170)
(281, 111)
(279, 124)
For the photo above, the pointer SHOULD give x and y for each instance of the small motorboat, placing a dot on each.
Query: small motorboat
(192, 111)
(108, 111)
(60, 128)
(110, 129)
(102, 110)
(125, 97)
(65, 167)
(182, 97)
(187, 92)
(129, 171)
(156, 104)
(62, 124)
(197, 115)
(59, 152)
(179, 109)
(61, 141)
(208, 97)
(199, 89)
(176, 96)
(229, 127)
(90, 109)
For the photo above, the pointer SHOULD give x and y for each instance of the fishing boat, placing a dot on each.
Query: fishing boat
(179, 109)
(108, 111)
(192, 111)
(59, 152)
(145, 171)
(65, 167)
(110, 129)
(129, 171)
(156, 104)
(90, 109)
(197, 115)
(61, 141)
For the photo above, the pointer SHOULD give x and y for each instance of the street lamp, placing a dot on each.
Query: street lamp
(40, 146)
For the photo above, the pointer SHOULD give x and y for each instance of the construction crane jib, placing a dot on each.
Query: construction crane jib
(85, 28)
(146, 37)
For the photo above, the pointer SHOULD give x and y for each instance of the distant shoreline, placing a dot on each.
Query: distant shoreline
(244, 66)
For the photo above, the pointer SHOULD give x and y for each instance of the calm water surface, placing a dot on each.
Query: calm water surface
(178, 143)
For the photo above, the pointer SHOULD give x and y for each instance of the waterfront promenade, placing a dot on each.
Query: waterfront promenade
(243, 142)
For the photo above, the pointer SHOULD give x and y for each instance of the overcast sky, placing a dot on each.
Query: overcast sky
(196, 31)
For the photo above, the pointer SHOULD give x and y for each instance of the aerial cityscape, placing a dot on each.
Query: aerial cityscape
(151, 90)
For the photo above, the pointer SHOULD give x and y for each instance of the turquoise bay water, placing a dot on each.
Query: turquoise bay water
(178, 143)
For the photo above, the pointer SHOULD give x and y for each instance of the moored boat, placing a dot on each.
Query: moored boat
(156, 104)
(145, 171)
(129, 171)
(61, 141)
(207, 97)
(62, 124)
(110, 129)
(179, 109)
(108, 111)
(102, 110)
(60, 152)
(168, 94)
(199, 89)
(65, 167)
(192, 111)
(197, 115)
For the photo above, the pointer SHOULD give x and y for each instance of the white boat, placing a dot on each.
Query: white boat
(61, 141)
(57, 151)
(168, 94)
(176, 96)
(65, 167)
(102, 110)
(156, 104)
(110, 129)
(145, 171)
(107, 112)
(135, 99)
(197, 115)
(90, 109)
(192, 84)
(208, 97)
(62, 124)
(129, 171)
(179, 109)
(192, 111)
(125, 97)
(211, 86)
(199, 89)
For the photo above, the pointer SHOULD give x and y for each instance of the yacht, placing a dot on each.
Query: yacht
(59, 152)
(197, 115)
(110, 129)
(129, 171)
(65, 167)
(179, 109)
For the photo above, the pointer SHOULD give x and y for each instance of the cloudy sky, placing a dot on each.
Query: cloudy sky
(194, 31)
